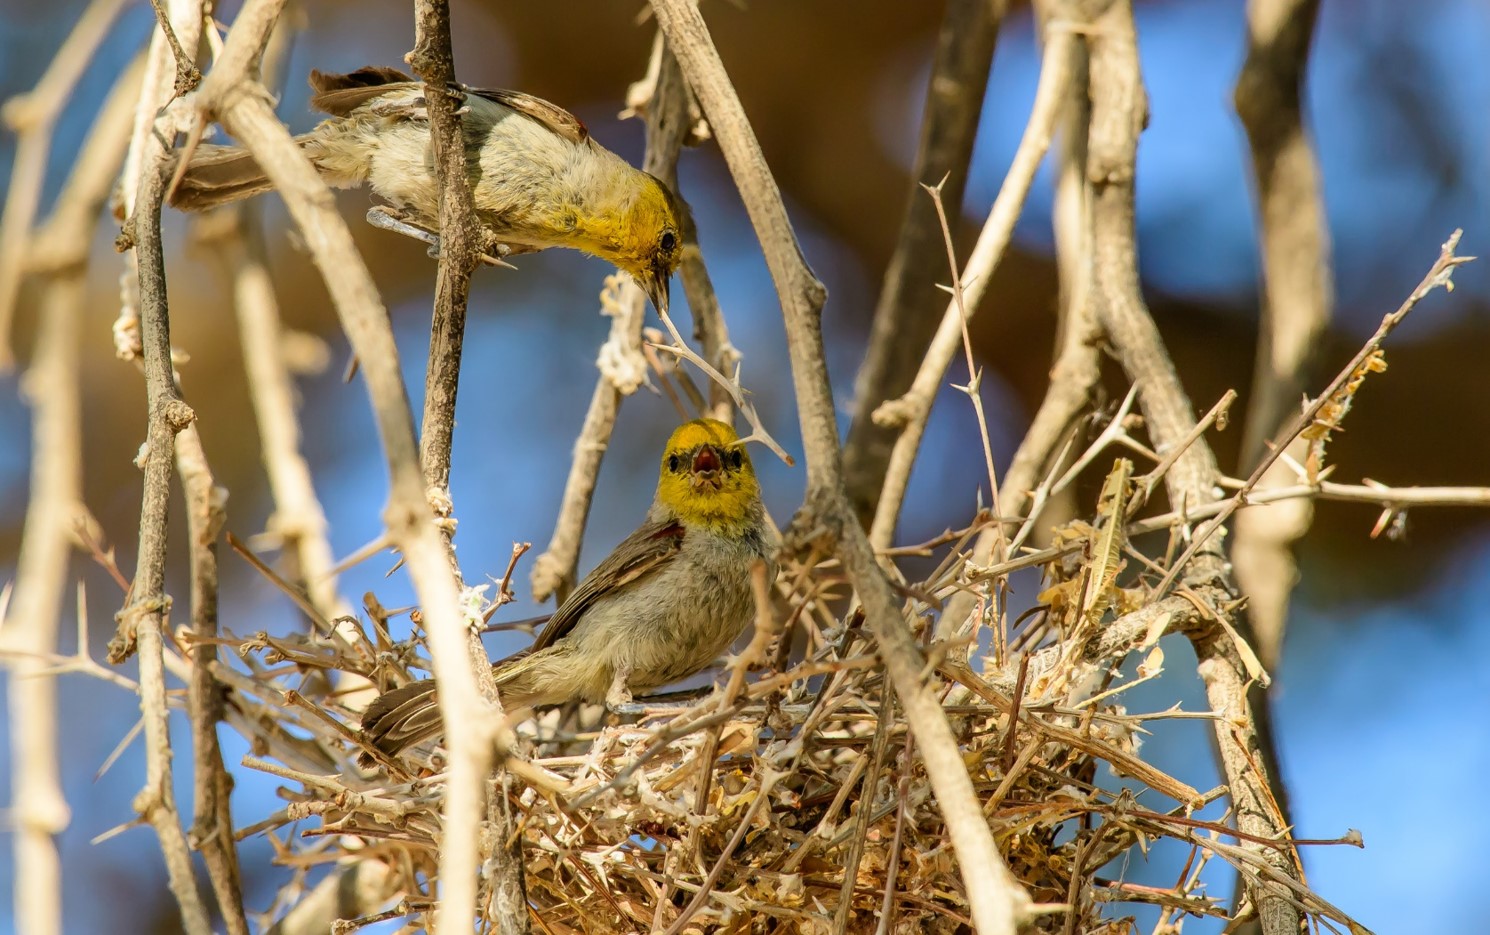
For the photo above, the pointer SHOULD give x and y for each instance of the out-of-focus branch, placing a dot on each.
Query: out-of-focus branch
(1119, 112)
(59, 250)
(241, 104)
(909, 412)
(622, 367)
(1077, 365)
(905, 315)
(999, 904)
(32, 116)
(29, 631)
(463, 241)
(1296, 287)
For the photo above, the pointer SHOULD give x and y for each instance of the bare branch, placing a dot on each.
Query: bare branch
(463, 241)
(1119, 111)
(622, 366)
(231, 95)
(998, 903)
(142, 621)
(1296, 306)
(910, 411)
(33, 116)
(906, 310)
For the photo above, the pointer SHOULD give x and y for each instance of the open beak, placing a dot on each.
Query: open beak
(655, 284)
(707, 469)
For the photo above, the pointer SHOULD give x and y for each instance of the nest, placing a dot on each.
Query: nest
(791, 800)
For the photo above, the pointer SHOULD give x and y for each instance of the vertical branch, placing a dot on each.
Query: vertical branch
(59, 249)
(242, 106)
(998, 903)
(905, 317)
(212, 825)
(1119, 111)
(142, 621)
(463, 239)
(33, 116)
(667, 125)
(1077, 366)
(909, 413)
(1296, 295)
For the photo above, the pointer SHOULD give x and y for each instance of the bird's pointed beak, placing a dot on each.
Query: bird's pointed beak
(706, 468)
(655, 283)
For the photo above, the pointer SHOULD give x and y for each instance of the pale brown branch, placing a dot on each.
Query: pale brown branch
(142, 621)
(998, 903)
(1297, 293)
(905, 314)
(463, 241)
(1077, 366)
(1119, 112)
(33, 116)
(909, 412)
(231, 95)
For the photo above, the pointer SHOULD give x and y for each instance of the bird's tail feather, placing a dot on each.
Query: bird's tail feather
(219, 175)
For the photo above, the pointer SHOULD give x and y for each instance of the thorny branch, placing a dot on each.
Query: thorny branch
(998, 903)
(905, 314)
(622, 367)
(1119, 111)
(231, 95)
(909, 413)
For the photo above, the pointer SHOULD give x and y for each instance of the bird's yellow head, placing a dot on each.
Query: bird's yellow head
(707, 479)
(643, 235)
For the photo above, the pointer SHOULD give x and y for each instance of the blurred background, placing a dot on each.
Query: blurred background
(1379, 700)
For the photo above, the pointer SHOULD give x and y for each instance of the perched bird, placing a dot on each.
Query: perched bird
(671, 597)
(538, 178)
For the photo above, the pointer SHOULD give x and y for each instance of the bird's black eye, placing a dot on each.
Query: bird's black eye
(672, 462)
(669, 241)
(736, 458)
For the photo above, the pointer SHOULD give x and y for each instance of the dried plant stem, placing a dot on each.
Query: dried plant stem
(32, 116)
(1119, 109)
(998, 903)
(298, 519)
(231, 95)
(1297, 298)
(905, 315)
(910, 411)
(667, 125)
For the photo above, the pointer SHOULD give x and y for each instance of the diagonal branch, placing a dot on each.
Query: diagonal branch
(905, 317)
(1119, 112)
(998, 903)
(910, 412)
(230, 93)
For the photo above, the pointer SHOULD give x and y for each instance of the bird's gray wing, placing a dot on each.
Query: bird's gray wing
(556, 118)
(639, 555)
